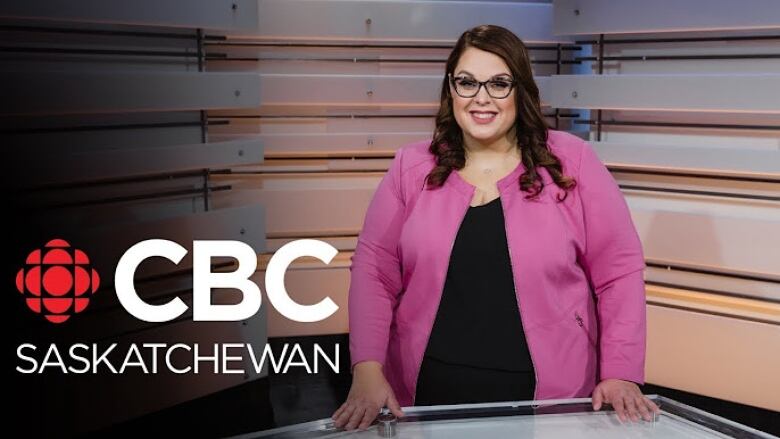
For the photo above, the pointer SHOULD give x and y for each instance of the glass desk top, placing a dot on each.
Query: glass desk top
(553, 419)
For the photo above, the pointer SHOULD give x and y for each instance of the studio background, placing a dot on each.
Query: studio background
(268, 121)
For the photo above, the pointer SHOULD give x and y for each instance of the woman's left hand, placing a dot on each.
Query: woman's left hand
(626, 398)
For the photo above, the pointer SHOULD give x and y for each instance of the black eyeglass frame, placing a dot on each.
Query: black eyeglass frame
(512, 84)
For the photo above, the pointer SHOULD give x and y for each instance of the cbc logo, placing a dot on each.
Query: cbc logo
(57, 281)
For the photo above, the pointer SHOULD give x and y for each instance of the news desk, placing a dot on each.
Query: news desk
(550, 419)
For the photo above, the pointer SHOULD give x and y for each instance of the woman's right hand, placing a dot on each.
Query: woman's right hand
(370, 392)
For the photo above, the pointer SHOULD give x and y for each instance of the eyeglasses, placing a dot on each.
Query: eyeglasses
(467, 87)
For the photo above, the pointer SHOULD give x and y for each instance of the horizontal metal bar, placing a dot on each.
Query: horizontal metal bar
(681, 125)
(318, 172)
(552, 61)
(123, 52)
(709, 271)
(113, 181)
(715, 284)
(680, 57)
(681, 40)
(701, 193)
(223, 57)
(349, 116)
(713, 291)
(322, 116)
(713, 176)
(224, 42)
(710, 312)
(112, 127)
(345, 45)
(124, 199)
(80, 31)
(218, 57)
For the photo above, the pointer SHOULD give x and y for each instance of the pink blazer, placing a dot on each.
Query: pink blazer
(577, 267)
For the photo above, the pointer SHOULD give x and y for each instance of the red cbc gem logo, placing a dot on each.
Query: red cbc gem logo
(57, 281)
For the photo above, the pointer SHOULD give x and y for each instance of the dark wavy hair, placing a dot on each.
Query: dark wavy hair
(530, 126)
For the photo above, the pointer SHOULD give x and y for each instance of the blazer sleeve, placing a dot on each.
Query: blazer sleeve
(614, 262)
(375, 271)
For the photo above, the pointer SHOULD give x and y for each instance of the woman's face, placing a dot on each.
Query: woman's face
(483, 119)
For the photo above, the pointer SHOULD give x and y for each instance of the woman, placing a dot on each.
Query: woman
(496, 262)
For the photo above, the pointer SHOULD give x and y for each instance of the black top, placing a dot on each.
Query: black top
(478, 322)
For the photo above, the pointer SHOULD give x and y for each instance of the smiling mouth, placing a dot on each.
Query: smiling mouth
(483, 115)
